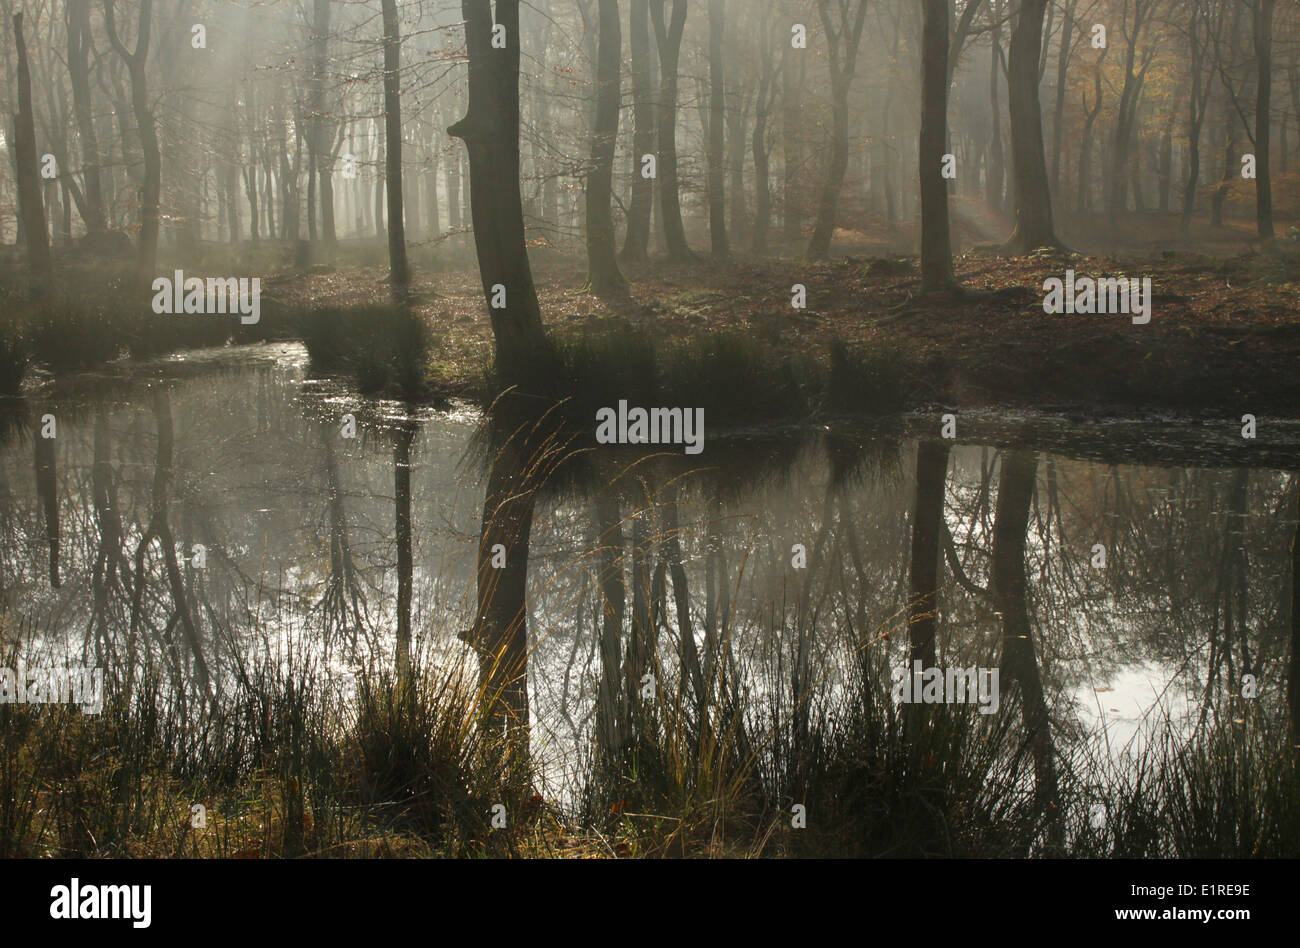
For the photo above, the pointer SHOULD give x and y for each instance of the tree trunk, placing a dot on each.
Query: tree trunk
(995, 179)
(602, 256)
(1062, 70)
(1263, 103)
(668, 37)
(762, 164)
(79, 45)
(844, 44)
(791, 151)
(35, 235)
(717, 127)
(636, 245)
(1034, 226)
(151, 190)
(490, 130)
(399, 270)
(936, 238)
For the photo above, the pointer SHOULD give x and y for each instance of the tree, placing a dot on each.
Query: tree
(79, 46)
(843, 43)
(490, 131)
(1130, 95)
(320, 130)
(936, 239)
(1034, 226)
(1263, 103)
(668, 37)
(399, 270)
(602, 259)
(26, 165)
(1198, 53)
(765, 101)
(151, 189)
(717, 126)
(636, 244)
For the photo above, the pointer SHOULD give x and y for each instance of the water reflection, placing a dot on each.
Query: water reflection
(209, 517)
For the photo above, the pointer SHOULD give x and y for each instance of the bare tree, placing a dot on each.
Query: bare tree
(399, 269)
(843, 38)
(26, 166)
(151, 190)
(668, 36)
(603, 272)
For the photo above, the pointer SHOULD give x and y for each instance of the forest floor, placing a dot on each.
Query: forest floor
(1224, 333)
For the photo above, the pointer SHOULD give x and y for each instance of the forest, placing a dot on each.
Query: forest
(636, 428)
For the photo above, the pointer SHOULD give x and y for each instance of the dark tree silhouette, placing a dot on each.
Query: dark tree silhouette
(936, 238)
(399, 270)
(717, 127)
(602, 259)
(668, 36)
(490, 130)
(843, 39)
(636, 245)
(1034, 226)
(32, 208)
(147, 129)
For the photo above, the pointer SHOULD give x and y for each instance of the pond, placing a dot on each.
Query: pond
(1122, 578)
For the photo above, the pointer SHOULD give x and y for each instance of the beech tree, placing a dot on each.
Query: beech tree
(668, 36)
(843, 37)
(1034, 227)
(29, 182)
(603, 272)
(936, 240)
(151, 188)
(399, 269)
(490, 131)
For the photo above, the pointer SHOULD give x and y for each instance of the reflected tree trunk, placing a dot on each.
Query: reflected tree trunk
(1293, 673)
(104, 572)
(160, 530)
(688, 653)
(47, 489)
(641, 649)
(610, 545)
(404, 438)
(927, 530)
(1010, 590)
(523, 459)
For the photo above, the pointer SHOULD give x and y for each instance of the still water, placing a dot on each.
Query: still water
(1155, 553)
